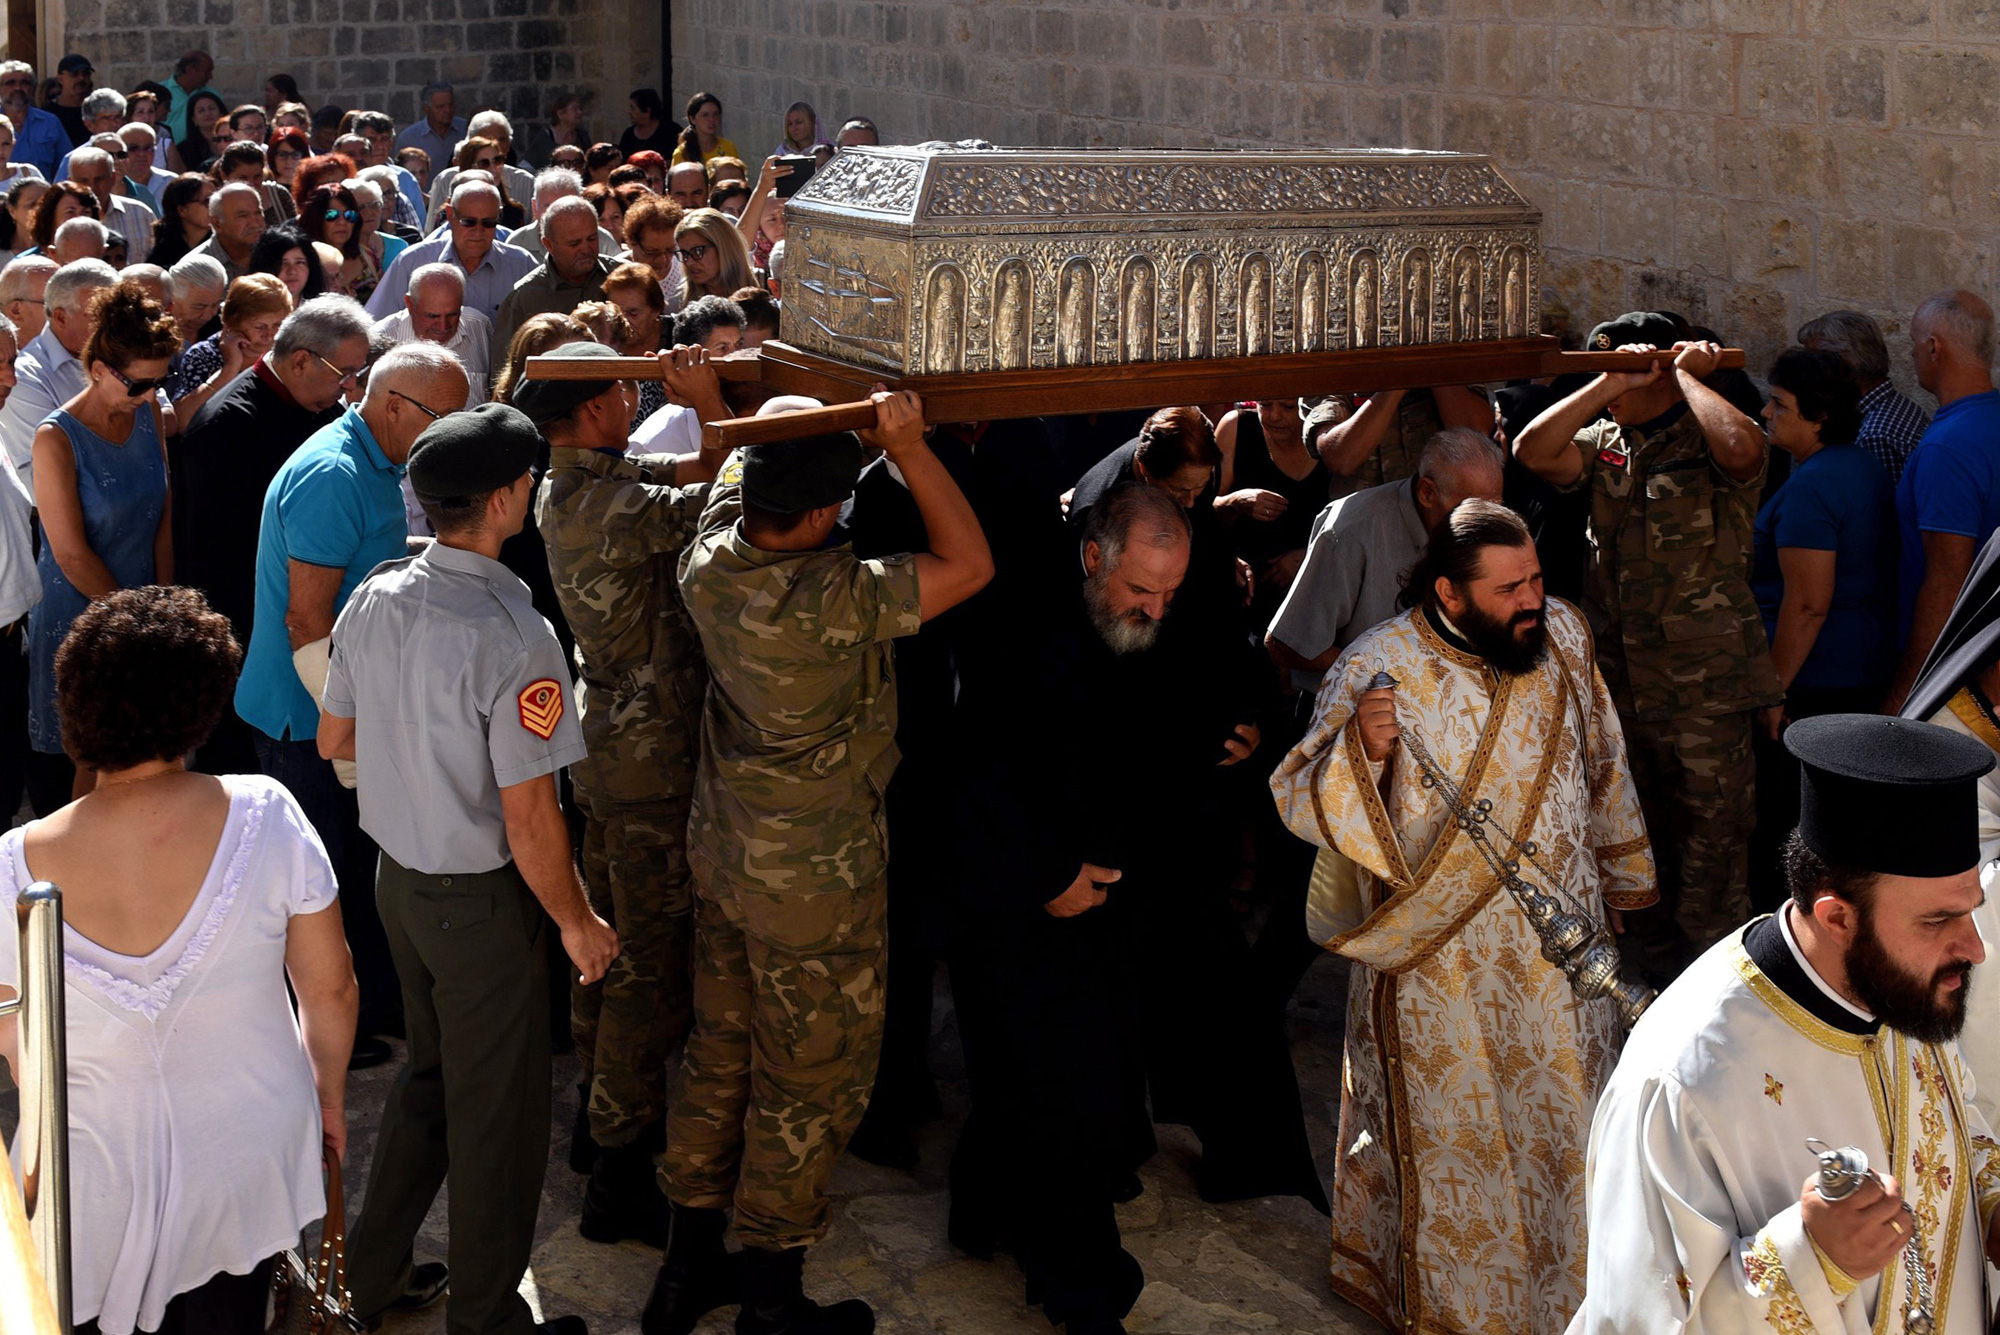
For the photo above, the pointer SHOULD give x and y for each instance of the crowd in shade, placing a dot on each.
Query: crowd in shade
(374, 698)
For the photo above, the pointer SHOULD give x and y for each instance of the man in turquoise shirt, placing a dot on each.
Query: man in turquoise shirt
(191, 75)
(332, 514)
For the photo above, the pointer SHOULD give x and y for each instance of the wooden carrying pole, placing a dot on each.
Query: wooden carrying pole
(990, 395)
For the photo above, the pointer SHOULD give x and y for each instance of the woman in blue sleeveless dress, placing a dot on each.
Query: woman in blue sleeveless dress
(101, 486)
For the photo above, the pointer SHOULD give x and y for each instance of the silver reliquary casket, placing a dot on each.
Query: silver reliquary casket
(942, 259)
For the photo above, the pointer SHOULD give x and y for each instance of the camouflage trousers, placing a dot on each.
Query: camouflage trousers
(788, 1005)
(1697, 789)
(628, 1024)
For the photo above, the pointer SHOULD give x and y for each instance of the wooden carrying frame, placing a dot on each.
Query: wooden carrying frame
(778, 368)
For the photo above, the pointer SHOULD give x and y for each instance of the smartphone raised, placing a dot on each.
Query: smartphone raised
(802, 165)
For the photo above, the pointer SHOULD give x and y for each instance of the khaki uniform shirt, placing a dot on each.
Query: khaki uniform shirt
(798, 737)
(614, 527)
(1668, 585)
(542, 292)
(1395, 458)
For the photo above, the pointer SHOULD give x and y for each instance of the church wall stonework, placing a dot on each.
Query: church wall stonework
(510, 54)
(1749, 163)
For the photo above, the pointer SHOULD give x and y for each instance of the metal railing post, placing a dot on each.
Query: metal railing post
(44, 1080)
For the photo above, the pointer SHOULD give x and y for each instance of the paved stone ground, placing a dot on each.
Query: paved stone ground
(1255, 1268)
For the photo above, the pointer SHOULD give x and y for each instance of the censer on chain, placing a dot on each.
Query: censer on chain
(1571, 939)
(1841, 1173)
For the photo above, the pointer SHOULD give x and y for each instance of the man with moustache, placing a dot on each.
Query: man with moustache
(1833, 1019)
(1471, 1065)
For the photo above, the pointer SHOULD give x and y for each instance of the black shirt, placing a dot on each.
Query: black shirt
(222, 466)
(72, 122)
(660, 141)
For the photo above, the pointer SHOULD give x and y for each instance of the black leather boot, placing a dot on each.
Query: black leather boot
(774, 1300)
(623, 1199)
(696, 1277)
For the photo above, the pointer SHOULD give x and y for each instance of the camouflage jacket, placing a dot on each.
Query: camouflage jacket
(614, 528)
(799, 731)
(1668, 586)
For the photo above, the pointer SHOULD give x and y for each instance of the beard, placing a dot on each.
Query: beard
(1906, 1003)
(1128, 632)
(1514, 646)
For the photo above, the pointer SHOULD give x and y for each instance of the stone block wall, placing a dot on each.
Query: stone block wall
(510, 54)
(1750, 163)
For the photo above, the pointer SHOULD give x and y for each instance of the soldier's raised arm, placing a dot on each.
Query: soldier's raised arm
(959, 564)
(1547, 446)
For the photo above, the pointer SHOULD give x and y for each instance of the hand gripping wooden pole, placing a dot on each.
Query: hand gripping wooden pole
(778, 368)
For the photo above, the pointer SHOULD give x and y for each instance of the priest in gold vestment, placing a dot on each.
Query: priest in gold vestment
(1471, 1069)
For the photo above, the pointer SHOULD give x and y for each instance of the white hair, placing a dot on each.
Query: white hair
(103, 102)
(462, 187)
(436, 273)
(88, 157)
(17, 279)
(555, 183)
(71, 231)
(775, 265)
(235, 188)
(487, 120)
(148, 131)
(194, 273)
(1457, 450)
(70, 287)
(409, 363)
(108, 141)
(16, 67)
(321, 325)
(357, 186)
(566, 205)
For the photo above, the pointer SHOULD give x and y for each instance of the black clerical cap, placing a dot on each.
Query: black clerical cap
(1659, 329)
(796, 475)
(1888, 795)
(471, 453)
(546, 400)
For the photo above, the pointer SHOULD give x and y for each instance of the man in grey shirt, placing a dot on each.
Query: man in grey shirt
(449, 692)
(1362, 545)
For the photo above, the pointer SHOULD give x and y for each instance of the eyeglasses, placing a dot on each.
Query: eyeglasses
(486, 164)
(136, 388)
(481, 224)
(434, 415)
(345, 376)
(693, 254)
(335, 215)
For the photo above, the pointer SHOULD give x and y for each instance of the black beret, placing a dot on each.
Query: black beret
(473, 452)
(546, 400)
(796, 475)
(1659, 329)
(1888, 795)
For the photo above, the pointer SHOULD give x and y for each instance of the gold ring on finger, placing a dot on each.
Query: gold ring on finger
(1898, 1227)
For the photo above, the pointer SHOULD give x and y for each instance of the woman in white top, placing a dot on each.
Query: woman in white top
(198, 1104)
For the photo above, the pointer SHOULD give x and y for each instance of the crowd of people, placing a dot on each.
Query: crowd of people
(345, 654)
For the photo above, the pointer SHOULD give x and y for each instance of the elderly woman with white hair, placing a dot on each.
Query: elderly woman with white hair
(379, 249)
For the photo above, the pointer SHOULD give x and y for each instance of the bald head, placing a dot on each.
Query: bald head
(1457, 464)
(687, 185)
(1951, 342)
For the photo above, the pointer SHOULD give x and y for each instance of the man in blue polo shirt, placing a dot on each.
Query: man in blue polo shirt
(39, 138)
(1948, 501)
(332, 514)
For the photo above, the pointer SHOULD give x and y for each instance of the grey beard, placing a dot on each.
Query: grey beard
(1122, 634)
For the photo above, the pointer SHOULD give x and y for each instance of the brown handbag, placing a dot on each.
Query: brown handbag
(310, 1298)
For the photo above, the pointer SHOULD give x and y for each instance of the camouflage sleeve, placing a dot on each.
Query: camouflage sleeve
(1588, 442)
(641, 519)
(720, 510)
(1626, 875)
(867, 601)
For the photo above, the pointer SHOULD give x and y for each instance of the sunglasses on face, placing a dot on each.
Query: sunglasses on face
(693, 254)
(137, 388)
(482, 224)
(486, 164)
(335, 215)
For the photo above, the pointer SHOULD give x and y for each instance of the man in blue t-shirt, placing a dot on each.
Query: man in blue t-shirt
(332, 514)
(1948, 502)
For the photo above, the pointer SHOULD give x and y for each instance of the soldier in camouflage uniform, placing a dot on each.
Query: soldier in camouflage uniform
(1673, 478)
(614, 527)
(788, 851)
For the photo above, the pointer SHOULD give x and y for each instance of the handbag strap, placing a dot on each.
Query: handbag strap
(330, 1274)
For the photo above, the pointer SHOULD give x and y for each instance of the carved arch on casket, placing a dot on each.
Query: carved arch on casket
(1076, 313)
(1467, 296)
(1516, 292)
(944, 320)
(1198, 306)
(1309, 303)
(1414, 293)
(1364, 299)
(1138, 306)
(1013, 315)
(1254, 313)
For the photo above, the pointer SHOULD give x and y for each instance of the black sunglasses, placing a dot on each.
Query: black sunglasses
(335, 215)
(136, 388)
(483, 224)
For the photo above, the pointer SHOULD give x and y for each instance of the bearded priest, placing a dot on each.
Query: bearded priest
(1831, 1022)
(1471, 1068)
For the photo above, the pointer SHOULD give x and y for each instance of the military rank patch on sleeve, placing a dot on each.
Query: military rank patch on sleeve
(732, 472)
(542, 708)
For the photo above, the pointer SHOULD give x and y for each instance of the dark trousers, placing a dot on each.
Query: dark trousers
(471, 1104)
(1778, 786)
(1212, 1051)
(336, 817)
(1044, 1145)
(225, 1305)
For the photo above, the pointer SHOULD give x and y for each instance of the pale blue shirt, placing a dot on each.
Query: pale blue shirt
(47, 376)
(485, 287)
